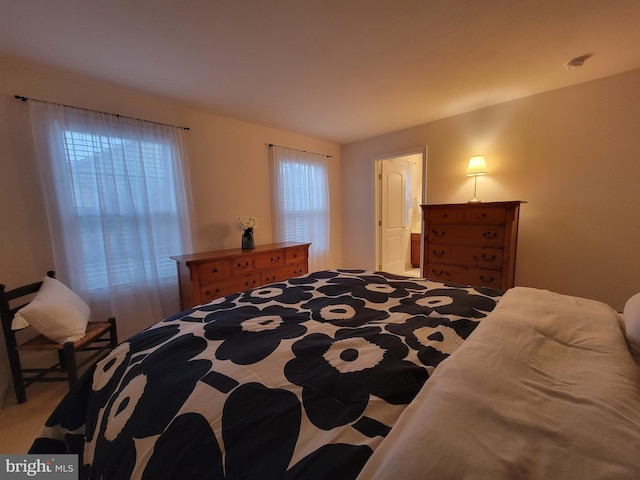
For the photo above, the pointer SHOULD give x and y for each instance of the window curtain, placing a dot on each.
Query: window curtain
(117, 208)
(301, 201)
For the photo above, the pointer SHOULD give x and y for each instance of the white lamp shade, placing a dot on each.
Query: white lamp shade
(477, 166)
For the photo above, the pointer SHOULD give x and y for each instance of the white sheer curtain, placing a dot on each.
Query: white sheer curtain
(117, 209)
(301, 201)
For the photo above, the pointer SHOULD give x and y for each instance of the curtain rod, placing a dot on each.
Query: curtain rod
(303, 151)
(24, 99)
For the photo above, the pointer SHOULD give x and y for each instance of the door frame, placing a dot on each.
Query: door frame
(378, 200)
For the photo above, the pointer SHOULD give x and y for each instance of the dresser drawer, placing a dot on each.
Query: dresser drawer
(482, 215)
(487, 236)
(465, 275)
(244, 264)
(268, 260)
(214, 270)
(296, 255)
(209, 291)
(485, 216)
(299, 269)
(466, 256)
(446, 215)
(284, 273)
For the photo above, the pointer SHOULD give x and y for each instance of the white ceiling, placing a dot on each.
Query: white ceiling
(341, 70)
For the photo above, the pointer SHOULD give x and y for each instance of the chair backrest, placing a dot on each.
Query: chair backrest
(7, 312)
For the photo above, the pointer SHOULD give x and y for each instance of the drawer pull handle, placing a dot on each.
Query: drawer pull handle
(438, 234)
(440, 273)
(490, 235)
(437, 253)
(490, 280)
(487, 258)
(215, 270)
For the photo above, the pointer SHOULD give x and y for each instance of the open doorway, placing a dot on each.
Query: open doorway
(399, 191)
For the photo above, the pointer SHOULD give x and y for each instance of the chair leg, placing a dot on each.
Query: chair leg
(70, 363)
(62, 359)
(16, 374)
(113, 333)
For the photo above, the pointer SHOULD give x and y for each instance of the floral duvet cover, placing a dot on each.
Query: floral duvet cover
(297, 379)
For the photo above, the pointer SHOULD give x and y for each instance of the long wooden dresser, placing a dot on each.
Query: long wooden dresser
(471, 243)
(205, 276)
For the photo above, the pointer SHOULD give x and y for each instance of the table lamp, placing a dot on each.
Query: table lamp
(477, 166)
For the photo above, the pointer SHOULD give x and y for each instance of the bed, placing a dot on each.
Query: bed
(351, 374)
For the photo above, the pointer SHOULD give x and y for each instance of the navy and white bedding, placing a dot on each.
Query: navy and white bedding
(298, 379)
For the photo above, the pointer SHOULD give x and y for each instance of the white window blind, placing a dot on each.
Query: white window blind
(105, 173)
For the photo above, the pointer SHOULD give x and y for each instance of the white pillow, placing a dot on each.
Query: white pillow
(56, 312)
(631, 315)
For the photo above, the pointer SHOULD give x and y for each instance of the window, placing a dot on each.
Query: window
(301, 201)
(116, 184)
(117, 207)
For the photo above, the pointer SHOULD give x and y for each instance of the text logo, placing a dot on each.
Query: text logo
(53, 467)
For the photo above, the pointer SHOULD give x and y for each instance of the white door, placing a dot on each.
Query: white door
(392, 222)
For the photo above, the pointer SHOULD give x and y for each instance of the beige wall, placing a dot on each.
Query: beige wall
(228, 163)
(573, 154)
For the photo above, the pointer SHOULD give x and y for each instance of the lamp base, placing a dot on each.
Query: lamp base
(475, 189)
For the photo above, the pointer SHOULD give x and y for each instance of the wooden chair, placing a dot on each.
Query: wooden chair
(99, 337)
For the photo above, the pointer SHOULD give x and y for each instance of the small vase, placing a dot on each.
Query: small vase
(247, 240)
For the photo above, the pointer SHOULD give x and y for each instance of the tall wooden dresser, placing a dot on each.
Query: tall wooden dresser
(471, 243)
(205, 276)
